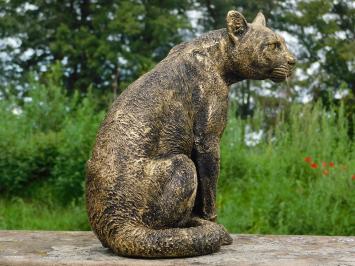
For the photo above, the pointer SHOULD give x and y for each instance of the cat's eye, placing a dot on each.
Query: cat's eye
(274, 45)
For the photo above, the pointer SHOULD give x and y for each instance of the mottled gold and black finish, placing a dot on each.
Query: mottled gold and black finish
(151, 180)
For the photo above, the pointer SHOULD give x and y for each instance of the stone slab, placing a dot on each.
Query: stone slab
(37, 248)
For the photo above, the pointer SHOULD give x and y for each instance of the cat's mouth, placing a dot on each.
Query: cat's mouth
(281, 73)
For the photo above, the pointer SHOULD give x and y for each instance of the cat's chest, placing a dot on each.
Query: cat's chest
(212, 114)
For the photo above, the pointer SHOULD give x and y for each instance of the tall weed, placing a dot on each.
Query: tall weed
(296, 180)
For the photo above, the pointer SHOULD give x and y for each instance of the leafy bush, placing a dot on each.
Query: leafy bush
(46, 140)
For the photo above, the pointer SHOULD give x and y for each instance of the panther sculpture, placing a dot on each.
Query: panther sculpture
(151, 180)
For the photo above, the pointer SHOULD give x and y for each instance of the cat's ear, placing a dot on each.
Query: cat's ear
(237, 25)
(260, 19)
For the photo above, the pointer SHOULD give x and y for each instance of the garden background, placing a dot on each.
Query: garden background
(288, 152)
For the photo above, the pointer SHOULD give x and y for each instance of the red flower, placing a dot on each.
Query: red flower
(324, 164)
(353, 177)
(308, 159)
(326, 172)
(314, 165)
(331, 164)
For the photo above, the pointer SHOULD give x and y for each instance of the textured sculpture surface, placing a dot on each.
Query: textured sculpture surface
(151, 180)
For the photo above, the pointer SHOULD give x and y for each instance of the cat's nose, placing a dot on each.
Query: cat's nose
(291, 60)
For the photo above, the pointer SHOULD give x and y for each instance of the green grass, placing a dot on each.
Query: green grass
(267, 188)
(270, 189)
(18, 214)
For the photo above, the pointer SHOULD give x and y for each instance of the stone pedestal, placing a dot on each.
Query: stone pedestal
(38, 248)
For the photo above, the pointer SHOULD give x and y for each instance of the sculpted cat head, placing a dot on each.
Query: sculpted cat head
(255, 51)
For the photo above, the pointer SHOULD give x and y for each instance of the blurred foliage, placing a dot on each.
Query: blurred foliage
(108, 44)
(325, 32)
(100, 43)
(16, 213)
(216, 11)
(298, 178)
(46, 140)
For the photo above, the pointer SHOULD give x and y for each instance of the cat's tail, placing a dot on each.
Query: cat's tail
(139, 241)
